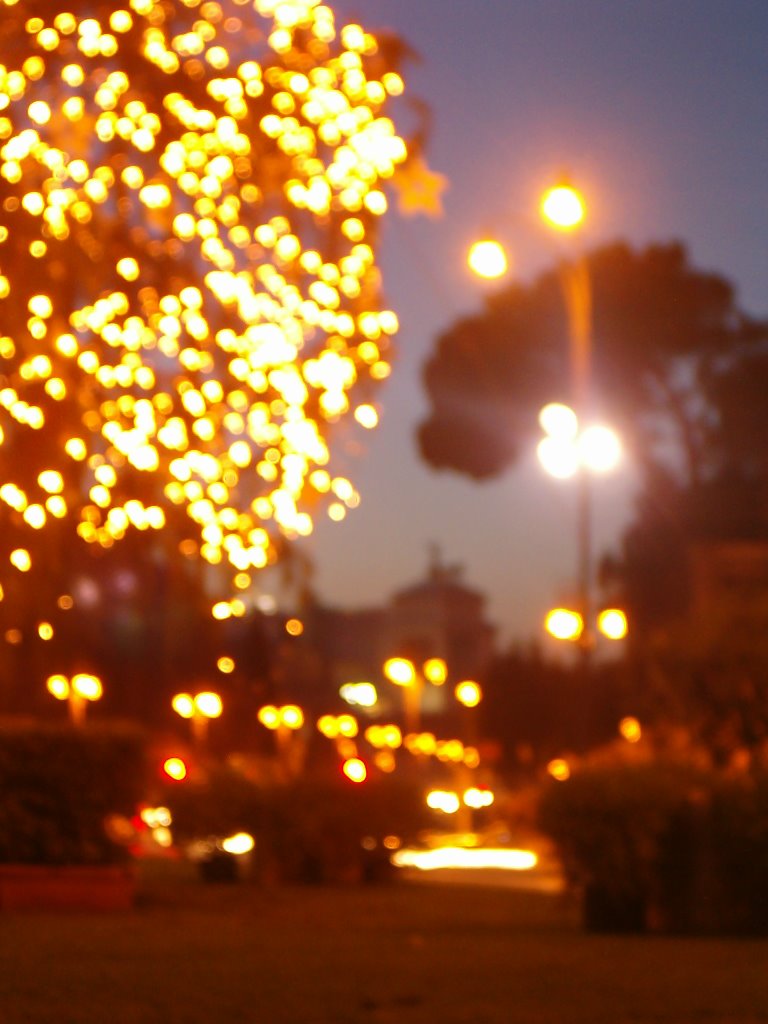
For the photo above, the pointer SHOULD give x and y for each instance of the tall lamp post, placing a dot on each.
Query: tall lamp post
(568, 451)
(563, 208)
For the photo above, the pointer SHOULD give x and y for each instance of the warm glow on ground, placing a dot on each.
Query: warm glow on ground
(461, 857)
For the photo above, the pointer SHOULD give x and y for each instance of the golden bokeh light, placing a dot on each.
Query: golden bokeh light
(630, 729)
(559, 769)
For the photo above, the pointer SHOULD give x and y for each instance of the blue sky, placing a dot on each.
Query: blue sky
(658, 109)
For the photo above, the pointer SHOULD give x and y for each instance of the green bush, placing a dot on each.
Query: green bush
(58, 788)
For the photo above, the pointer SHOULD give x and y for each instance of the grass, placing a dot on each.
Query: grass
(409, 953)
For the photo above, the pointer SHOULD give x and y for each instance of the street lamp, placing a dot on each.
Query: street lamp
(572, 446)
(199, 708)
(469, 694)
(402, 672)
(361, 695)
(568, 624)
(566, 451)
(285, 721)
(78, 692)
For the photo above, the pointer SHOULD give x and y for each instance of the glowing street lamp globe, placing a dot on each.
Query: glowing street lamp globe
(559, 421)
(563, 207)
(184, 705)
(436, 671)
(87, 686)
(292, 717)
(599, 449)
(488, 259)
(208, 705)
(559, 457)
(468, 693)
(564, 624)
(612, 623)
(400, 671)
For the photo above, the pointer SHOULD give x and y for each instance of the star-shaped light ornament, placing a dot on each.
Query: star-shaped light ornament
(419, 189)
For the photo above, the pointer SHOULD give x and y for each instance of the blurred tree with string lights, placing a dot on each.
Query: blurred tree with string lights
(192, 329)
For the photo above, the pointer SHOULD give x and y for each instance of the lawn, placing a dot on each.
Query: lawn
(409, 953)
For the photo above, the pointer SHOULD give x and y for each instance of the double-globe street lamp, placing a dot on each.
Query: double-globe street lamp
(78, 691)
(199, 709)
(404, 673)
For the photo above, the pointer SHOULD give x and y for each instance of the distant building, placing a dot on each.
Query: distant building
(437, 617)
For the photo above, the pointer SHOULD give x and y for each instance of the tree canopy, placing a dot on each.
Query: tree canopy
(669, 344)
(681, 371)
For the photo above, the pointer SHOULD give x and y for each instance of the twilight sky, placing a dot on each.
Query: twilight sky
(658, 109)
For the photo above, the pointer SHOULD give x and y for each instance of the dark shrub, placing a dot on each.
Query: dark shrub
(58, 789)
(310, 830)
(624, 835)
(739, 851)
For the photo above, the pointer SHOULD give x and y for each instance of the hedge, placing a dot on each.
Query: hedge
(59, 786)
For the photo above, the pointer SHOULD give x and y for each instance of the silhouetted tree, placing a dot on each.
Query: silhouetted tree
(665, 339)
(681, 371)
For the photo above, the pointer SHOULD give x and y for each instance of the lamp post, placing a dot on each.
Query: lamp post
(286, 722)
(469, 695)
(78, 692)
(199, 708)
(567, 451)
(563, 208)
(568, 624)
(402, 672)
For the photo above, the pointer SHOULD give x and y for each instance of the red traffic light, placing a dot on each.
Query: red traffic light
(355, 769)
(175, 768)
